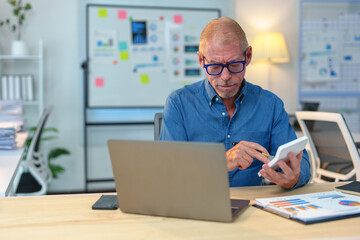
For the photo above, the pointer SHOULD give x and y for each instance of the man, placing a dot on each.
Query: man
(250, 121)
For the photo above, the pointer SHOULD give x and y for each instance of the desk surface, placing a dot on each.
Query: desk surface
(71, 217)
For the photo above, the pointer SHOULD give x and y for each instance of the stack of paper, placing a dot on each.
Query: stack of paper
(7, 138)
(11, 114)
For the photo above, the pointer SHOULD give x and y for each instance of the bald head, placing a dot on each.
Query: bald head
(223, 30)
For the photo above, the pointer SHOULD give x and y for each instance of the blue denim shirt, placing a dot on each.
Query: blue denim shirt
(196, 113)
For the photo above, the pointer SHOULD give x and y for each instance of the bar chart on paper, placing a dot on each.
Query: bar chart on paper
(313, 207)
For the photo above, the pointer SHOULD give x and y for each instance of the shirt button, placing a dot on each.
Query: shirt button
(209, 103)
(223, 114)
(216, 99)
(228, 136)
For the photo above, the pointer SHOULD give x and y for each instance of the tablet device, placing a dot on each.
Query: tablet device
(295, 146)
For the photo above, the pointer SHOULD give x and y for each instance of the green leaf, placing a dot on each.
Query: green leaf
(56, 170)
(27, 142)
(51, 129)
(1, 23)
(16, 11)
(14, 28)
(57, 152)
(12, 2)
(28, 6)
(32, 129)
(48, 138)
(22, 17)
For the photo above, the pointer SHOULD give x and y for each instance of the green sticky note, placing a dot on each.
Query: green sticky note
(102, 12)
(123, 46)
(144, 79)
(124, 55)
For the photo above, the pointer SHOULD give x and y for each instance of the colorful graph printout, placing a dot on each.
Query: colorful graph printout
(313, 207)
(349, 203)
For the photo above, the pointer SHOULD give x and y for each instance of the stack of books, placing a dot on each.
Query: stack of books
(7, 138)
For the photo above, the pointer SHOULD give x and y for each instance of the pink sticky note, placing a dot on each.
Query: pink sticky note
(99, 82)
(122, 14)
(178, 19)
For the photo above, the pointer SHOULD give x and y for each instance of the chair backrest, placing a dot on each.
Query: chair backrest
(331, 145)
(35, 142)
(157, 125)
(34, 162)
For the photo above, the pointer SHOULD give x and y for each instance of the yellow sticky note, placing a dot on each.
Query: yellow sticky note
(144, 79)
(102, 12)
(124, 55)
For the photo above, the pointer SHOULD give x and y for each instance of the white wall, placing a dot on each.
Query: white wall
(57, 24)
(259, 16)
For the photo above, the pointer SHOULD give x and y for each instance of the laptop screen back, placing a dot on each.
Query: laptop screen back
(174, 179)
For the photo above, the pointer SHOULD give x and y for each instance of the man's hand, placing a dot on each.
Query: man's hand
(242, 155)
(290, 171)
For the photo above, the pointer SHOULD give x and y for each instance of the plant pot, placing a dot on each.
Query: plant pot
(19, 48)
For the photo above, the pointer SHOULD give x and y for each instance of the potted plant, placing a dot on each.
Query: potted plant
(19, 10)
(53, 153)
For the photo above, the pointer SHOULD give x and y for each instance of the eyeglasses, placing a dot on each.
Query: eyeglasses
(217, 68)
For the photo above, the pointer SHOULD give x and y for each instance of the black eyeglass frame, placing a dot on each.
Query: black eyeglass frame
(223, 65)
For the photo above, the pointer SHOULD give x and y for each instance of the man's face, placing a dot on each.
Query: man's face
(227, 85)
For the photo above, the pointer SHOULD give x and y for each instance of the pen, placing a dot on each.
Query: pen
(234, 143)
(263, 154)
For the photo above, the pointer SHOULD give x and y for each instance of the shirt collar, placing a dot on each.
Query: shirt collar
(212, 94)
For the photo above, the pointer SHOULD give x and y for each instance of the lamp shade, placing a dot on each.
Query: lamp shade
(270, 46)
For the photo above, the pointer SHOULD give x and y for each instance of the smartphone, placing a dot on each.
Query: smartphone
(106, 202)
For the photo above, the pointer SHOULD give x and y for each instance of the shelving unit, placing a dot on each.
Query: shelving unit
(18, 65)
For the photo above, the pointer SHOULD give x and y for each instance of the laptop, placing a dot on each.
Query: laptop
(173, 179)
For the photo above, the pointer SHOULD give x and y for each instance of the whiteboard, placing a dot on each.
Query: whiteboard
(138, 55)
(329, 46)
(329, 66)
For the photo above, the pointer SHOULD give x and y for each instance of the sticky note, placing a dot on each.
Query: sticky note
(123, 46)
(102, 12)
(144, 79)
(178, 19)
(122, 14)
(124, 55)
(99, 82)
(185, 83)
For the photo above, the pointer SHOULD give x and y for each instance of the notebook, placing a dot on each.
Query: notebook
(173, 179)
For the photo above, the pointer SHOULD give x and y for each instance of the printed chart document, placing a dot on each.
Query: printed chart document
(313, 207)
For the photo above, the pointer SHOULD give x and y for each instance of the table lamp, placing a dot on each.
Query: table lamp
(270, 47)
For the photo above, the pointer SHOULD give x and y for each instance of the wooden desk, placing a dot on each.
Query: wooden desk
(71, 217)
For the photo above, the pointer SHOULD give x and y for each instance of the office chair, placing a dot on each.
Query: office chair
(35, 164)
(157, 125)
(333, 153)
